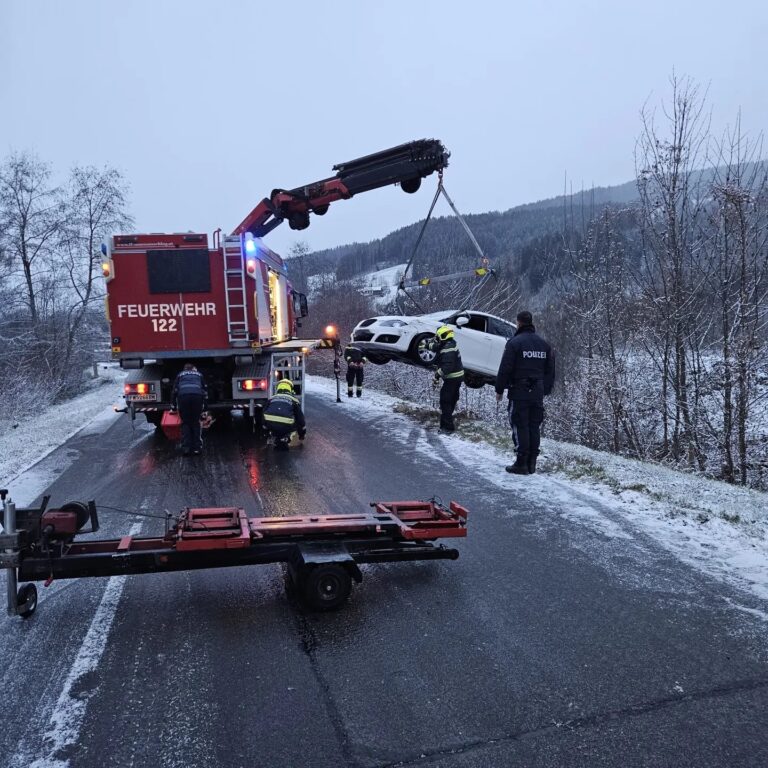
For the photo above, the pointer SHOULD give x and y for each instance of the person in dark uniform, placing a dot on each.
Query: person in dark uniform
(189, 396)
(527, 370)
(451, 371)
(283, 416)
(355, 373)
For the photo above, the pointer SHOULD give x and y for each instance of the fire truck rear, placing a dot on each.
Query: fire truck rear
(230, 310)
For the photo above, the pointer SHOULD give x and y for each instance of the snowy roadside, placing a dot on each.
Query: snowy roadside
(720, 529)
(33, 439)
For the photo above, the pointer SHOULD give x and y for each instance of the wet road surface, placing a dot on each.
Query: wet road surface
(545, 644)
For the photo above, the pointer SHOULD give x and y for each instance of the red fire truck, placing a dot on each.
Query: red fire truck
(228, 307)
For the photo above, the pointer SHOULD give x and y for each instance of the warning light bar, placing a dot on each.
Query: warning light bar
(252, 385)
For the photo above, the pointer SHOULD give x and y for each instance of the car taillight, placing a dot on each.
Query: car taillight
(251, 385)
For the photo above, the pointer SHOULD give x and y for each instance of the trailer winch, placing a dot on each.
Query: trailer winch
(322, 553)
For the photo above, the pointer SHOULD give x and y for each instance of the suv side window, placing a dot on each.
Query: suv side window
(476, 323)
(501, 328)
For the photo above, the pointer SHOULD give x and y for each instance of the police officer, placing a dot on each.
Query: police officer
(189, 396)
(451, 371)
(355, 373)
(527, 370)
(283, 415)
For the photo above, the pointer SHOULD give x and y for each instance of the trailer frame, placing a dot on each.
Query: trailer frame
(322, 552)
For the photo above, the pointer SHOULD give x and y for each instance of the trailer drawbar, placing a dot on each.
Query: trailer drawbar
(322, 552)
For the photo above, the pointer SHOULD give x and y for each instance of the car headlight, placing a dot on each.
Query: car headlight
(393, 323)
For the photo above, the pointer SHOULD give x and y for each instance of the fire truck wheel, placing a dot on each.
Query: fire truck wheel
(326, 587)
(27, 596)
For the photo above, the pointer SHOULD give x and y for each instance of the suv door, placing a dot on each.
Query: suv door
(475, 343)
(501, 332)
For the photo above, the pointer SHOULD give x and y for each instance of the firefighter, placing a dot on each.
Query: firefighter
(451, 371)
(283, 416)
(355, 373)
(189, 397)
(527, 370)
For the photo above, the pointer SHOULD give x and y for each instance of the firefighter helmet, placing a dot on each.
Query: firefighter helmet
(444, 332)
(285, 385)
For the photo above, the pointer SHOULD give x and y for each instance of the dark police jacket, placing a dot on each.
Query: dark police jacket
(527, 366)
(448, 359)
(188, 383)
(354, 357)
(284, 411)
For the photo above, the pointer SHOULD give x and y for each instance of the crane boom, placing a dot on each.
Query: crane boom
(406, 164)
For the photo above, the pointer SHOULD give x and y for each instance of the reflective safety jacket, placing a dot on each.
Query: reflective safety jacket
(188, 383)
(448, 360)
(284, 411)
(354, 357)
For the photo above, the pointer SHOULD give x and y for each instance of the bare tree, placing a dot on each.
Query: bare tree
(31, 217)
(298, 254)
(672, 200)
(736, 236)
(95, 206)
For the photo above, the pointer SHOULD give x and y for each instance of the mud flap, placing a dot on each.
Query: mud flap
(309, 554)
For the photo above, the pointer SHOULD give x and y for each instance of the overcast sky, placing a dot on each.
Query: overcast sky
(207, 106)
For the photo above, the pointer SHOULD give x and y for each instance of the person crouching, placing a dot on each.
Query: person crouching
(283, 416)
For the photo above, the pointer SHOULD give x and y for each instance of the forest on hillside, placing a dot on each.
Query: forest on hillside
(657, 305)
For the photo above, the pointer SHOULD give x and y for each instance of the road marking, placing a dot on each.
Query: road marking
(69, 712)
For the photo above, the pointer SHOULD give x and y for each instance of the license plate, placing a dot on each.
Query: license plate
(134, 398)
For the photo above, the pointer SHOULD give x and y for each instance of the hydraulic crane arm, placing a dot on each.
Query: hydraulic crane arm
(406, 165)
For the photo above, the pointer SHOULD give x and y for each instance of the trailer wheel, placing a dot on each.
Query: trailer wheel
(326, 587)
(27, 596)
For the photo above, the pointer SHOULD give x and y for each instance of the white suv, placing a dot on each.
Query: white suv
(481, 338)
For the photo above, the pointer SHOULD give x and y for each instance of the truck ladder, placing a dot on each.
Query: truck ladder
(234, 293)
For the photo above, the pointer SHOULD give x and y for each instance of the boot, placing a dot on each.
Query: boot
(532, 465)
(359, 392)
(520, 467)
(349, 393)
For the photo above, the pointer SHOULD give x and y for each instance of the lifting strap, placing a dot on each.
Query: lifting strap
(484, 272)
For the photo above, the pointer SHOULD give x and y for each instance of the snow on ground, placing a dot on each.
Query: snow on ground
(33, 439)
(719, 529)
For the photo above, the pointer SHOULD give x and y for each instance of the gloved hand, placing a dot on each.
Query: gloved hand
(435, 381)
(173, 409)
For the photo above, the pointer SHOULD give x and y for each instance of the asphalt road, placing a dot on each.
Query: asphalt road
(545, 644)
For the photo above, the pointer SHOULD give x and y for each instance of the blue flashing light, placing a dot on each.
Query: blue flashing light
(250, 243)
